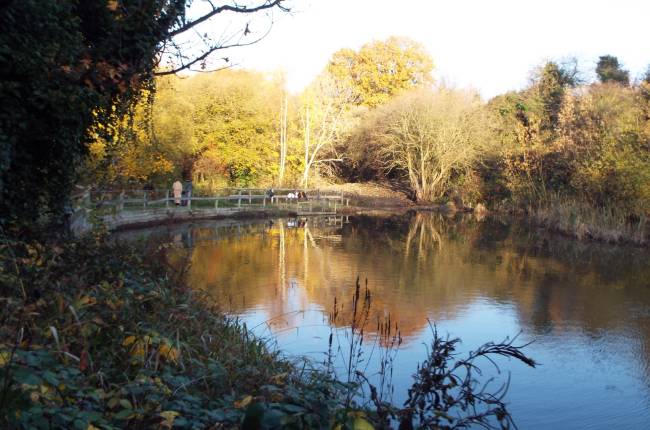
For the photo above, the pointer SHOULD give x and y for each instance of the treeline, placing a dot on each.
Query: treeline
(242, 128)
(375, 114)
(561, 137)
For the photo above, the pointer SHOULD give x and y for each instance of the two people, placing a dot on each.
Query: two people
(298, 195)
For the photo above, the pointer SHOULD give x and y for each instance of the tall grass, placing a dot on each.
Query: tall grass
(447, 391)
(585, 221)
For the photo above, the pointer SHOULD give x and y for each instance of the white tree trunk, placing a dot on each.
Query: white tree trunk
(283, 138)
(305, 175)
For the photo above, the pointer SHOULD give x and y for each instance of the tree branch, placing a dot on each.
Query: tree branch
(228, 8)
(207, 53)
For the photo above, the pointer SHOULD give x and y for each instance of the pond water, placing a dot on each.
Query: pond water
(586, 307)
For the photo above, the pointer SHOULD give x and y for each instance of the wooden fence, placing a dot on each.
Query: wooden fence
(112, 201)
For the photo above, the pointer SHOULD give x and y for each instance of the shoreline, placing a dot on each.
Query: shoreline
(583, 232)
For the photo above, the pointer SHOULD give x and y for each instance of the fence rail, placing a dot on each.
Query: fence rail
(313, 201)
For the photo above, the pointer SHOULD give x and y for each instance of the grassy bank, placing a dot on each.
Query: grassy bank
(585, 222)
(98, 335)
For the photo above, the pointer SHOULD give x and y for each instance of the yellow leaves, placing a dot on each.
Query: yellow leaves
(362, 424)
(168, 352)
(84, 301)
(138, 347)
(5, 356)
(129, 340)
(359, 422)
(279, 378)
(138, 351)
(245, 401)
(91, 427)
(169, 417)
(160, 384)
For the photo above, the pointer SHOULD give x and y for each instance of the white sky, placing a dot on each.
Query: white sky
(488, 45)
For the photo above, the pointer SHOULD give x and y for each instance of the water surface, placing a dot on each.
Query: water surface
(585, 306)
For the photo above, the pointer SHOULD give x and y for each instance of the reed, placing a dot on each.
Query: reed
(585, 221)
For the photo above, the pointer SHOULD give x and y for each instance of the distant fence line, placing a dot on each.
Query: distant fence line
(115, 201)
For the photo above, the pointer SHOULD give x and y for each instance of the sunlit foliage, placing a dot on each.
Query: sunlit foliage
(429, 136)
(382, 69)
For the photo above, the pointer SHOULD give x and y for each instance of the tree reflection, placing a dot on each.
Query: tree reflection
(423, 266)
(422, 230)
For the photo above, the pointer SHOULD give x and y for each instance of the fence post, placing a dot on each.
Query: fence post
(250, 200)
(144, 201)
(264, 202)
(334, 206)
(216, 203)
(167, 199)
(120, 202)
(189, 201)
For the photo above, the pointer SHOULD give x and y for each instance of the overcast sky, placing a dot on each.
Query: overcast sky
(488, 45)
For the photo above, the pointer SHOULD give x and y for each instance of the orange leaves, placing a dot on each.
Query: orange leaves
(242, 403)
(112, 5)
(168, 352)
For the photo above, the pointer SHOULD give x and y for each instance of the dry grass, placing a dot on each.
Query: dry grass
(583, 221)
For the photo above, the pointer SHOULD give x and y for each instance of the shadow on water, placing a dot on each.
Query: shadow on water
(586, 306)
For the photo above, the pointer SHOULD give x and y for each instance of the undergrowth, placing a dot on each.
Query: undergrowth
(99, 335)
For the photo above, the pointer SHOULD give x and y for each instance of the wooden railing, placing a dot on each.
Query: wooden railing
(117, 201)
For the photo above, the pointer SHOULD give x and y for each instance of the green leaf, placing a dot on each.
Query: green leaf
(123, 414)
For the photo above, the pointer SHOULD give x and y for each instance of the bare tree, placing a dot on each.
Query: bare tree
(429, 135)
(191, 40)
(326, 105)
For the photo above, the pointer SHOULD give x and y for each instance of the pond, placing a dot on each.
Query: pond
(585, 307)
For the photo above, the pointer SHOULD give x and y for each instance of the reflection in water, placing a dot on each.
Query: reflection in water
(587, 307)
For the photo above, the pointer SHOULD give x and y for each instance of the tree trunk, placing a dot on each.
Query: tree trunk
(283, 138)
(305, 176)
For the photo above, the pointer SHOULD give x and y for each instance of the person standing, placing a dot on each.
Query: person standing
(177, 188)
